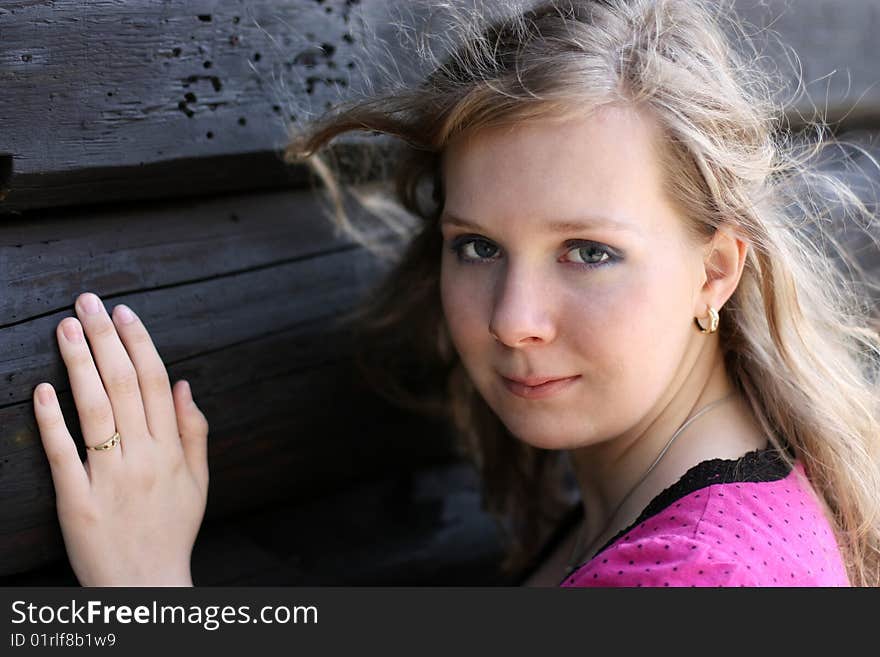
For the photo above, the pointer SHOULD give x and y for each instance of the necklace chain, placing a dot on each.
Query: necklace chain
(578, 551)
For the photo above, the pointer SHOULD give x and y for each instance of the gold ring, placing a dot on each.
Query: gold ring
(108, 444)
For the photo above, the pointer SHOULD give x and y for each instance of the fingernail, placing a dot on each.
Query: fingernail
(189, 391)
(124, 313)
(44, 394)
(91, 304)
(71, 331)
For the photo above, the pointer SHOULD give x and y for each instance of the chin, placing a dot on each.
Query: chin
(536, 427)
(545, 438)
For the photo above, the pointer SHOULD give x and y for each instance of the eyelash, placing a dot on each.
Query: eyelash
(458, 244)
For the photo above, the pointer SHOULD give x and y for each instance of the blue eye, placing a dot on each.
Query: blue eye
(591, 254)
(473, 249)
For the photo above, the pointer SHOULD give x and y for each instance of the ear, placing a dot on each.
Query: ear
(723, 261)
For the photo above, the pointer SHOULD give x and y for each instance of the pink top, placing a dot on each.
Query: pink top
(745, 522)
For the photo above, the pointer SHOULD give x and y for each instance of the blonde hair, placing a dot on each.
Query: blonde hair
(798, 336)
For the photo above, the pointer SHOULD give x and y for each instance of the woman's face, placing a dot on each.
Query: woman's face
(558, 240)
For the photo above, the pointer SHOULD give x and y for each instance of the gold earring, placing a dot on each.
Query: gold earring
(713, 321)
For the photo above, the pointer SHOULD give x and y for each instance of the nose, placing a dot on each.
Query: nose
(523, 311)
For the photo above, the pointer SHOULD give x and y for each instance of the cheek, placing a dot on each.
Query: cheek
(465, 300)
(634, 332)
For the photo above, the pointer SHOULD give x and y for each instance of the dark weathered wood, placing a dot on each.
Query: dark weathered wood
(150, 246)
(168, 90)
(423, 527)
(831, 46)
(242, 297)
(272, 441)
(146, 181)
(224, 270)
(419, 528)
(107, 100)
(855, 161)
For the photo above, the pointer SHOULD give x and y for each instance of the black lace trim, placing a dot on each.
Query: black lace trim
(759, 465)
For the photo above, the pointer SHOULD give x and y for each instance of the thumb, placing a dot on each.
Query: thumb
(193, 427)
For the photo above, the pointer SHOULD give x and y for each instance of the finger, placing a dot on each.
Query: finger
(92, 404)
(193, 432)
(68, 474)
(151, 373)
(115, 368)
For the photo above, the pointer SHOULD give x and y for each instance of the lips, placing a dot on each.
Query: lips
(538, 387)
(535, 380)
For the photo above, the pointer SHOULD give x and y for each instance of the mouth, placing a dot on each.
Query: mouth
(538, 387)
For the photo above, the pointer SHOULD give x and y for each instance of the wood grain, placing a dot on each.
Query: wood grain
(106, 101)
(242, 296)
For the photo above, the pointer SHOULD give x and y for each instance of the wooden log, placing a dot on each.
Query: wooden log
(106, 101)
(830, 48)
(222, 266)
(422, 527)
(142, 99)
(251, 286)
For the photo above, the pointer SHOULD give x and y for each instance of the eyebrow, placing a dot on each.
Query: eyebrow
(570, 226)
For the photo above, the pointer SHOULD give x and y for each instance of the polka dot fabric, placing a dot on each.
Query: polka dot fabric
(746, 533)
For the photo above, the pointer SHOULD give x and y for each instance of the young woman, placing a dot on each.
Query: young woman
(606, 276)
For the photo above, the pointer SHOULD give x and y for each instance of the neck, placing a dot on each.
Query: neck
(607, 472)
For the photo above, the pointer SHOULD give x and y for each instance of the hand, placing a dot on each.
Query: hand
(130, 514)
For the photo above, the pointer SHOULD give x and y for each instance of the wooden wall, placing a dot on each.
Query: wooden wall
(139, 159)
